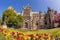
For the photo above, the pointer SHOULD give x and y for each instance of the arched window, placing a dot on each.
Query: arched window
(26, 24)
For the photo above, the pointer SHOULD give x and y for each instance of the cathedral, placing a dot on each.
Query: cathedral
(39, 20)
(32, 20)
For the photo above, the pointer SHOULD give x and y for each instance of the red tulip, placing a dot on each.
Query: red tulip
(30, 35)
(14, 36)
(13, 33)
(19, 38)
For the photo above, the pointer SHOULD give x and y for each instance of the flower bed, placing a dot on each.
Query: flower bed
(6, 34)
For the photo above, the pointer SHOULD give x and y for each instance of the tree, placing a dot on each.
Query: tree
(15, 22)
(7, 13)
(20, 20)
(12, 19)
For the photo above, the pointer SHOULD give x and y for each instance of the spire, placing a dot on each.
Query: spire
(49, 10)
(27, 6)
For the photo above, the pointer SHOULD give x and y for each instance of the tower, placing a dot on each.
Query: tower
(41, 20)
(27, 14)
(50, 14)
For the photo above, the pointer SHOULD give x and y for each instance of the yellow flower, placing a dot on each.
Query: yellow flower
(25, 37)
(7, 35)
(11, 39)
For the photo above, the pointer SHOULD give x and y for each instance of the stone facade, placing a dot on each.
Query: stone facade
(38, 20)
(32, 20)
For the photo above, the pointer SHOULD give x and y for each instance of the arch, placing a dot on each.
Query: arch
(37, 25)
(26, 25)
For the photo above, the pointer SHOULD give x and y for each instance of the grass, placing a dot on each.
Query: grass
(55, 31)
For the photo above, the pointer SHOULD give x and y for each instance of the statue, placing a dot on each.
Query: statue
(4, 24)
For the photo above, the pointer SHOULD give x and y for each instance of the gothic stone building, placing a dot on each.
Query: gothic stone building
(38, 20)
(32, 20)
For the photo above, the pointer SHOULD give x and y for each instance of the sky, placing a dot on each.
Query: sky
(36, 5)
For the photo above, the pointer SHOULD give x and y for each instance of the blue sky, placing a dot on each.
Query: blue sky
(36, 5)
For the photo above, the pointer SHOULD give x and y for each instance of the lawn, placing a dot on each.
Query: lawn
(55, 31)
